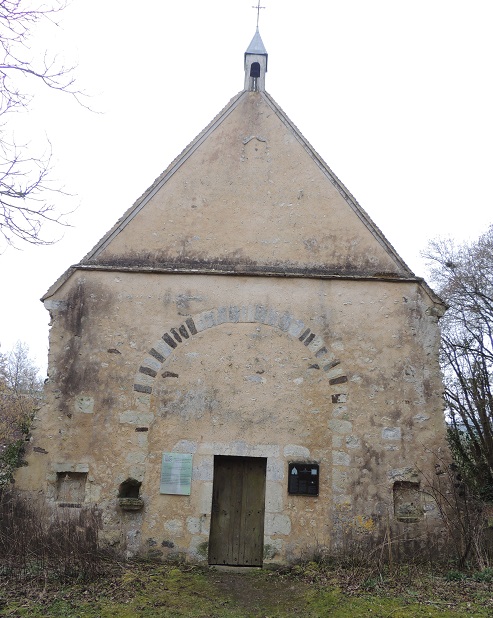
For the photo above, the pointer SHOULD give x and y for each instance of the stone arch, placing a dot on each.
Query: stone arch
(245, 314)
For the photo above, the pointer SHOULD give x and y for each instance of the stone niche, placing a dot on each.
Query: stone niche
(128, 495)
(408, 506)
(71, 487)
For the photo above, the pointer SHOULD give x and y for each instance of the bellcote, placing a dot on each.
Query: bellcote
(255, 64)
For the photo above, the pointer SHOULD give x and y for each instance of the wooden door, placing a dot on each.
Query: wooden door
(238, 508)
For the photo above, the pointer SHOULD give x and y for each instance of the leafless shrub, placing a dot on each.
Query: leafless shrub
(378, 547)
(463, 515)
(37, 541)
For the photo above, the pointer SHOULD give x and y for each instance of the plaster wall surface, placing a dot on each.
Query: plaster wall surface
(339, 372)
(251, 194)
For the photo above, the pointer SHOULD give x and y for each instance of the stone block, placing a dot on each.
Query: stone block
(353, 442)
(343, 501)
(144, 380)
(162, 348)
(203, 468)
(391, 433)
(174, 527)
(296, 451)
(142, 439)
(334, 372)
(222, 315)
(71, 467)
(209, 448)
(205, 498)
(273, 318)
(339, 411)
(137, 472)
(93, 492)
(340, 426)
(339, 398)
(340, 458)
(274, 493)
(275, 469)
(256, 379)
(403, 474)
(135, 458)
(193, 525)
(151, 363)
(316, 344)
(277, 524)
(285, 321)
(261, 314)
(205, 320)
(264, 450)
(199, 546)
(55, 305)
(84, 404)
(247, 313)
(238, 449)
(234, 314)
(185, 446)
(337, 442)
(296, 328)
(272, 548)
(339, 481)
(136, 418)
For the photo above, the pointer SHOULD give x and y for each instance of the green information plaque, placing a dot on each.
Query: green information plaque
(176, 474)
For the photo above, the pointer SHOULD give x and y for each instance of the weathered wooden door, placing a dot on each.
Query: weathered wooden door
(238, 508)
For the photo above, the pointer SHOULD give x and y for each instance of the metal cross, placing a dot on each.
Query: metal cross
(258, 7)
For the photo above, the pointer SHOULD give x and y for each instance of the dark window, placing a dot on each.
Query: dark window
(255, 69)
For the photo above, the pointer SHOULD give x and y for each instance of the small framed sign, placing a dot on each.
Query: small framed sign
(303, 479)
(176, 474)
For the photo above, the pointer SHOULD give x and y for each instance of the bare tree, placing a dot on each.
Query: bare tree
(23, 177)
(21, 374)
(3, 369)
(20, 394)
(463, 275)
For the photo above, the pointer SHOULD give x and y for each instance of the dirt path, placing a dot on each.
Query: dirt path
(259, 592)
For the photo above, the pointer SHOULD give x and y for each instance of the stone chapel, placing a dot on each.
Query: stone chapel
(243, 370)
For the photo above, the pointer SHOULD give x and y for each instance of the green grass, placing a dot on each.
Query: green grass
(307, 591)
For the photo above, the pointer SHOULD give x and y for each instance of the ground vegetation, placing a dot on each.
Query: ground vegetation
(311, 590)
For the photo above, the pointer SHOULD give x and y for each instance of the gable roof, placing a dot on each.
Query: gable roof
(285, 235)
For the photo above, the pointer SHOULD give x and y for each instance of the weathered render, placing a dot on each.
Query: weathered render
(247, 312)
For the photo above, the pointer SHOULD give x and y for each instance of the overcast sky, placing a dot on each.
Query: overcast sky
(395, 95)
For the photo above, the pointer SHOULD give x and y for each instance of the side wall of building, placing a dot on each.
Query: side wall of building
(343, 373)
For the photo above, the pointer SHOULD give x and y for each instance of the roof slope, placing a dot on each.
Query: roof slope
(248, 195)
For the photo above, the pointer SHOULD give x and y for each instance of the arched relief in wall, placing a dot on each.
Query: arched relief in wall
(331, 432)
(246, 314)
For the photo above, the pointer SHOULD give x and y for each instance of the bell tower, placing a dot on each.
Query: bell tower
(255, 64)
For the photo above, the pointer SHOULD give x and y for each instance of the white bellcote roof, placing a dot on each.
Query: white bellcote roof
(255, 64)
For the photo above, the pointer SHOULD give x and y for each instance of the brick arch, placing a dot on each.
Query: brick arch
(233, 314)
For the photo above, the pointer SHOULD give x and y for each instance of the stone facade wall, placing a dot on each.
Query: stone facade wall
(339, 372)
